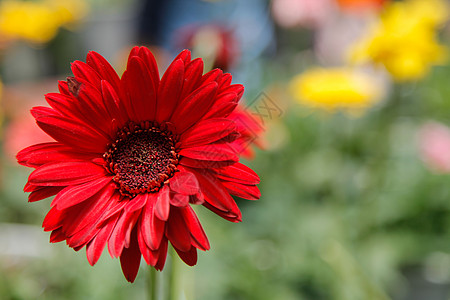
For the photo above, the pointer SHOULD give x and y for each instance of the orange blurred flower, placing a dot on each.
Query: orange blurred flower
(361, 5)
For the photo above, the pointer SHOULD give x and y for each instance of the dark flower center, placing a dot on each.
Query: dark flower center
(143, 158)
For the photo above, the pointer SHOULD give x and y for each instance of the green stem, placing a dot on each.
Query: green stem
(152, 290)
(172, 280)
(164, 285)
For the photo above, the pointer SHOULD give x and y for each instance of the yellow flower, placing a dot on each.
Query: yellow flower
(405, 39)
(68, 11)
(335, 89)
(37, 22)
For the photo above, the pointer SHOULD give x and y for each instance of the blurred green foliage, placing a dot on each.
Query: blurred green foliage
(347, 205)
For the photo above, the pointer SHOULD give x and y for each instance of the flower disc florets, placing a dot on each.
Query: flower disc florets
(142, 158)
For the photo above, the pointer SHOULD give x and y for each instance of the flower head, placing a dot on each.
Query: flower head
(335, 89)
(405, 40)
(132, 154)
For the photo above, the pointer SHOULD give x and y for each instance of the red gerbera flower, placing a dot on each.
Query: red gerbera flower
(132, 154)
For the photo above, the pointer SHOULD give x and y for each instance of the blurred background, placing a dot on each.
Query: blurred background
(349, 110)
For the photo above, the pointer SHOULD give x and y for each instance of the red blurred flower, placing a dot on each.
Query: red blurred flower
(19, 133)
(361, 5)
(132, 154)
(250, 128)
(216, 44)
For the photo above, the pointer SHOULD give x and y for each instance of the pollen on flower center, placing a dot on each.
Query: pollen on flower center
(142, 158)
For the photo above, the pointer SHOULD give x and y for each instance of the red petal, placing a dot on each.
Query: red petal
(134, 52)
(225, 80)
(215, 193)
(194, 163)
(94, 248)
(151, 227)
(222, 107)
(212, 152)
(72, 134)
(212, 76)
(150, 61)
(136, 203)
(179, 200)
(197, 199)
(222, 110)
(177, 231)
(237, 89)
(73, 195)
(53, 219)
(133, 218)
(84, 72)
(116, 205)
(150, 256)
(206, 132)
(66, 173)
(103, 68)
(57, 236)
(192, 76)
(184, 183)
(131, 259)
(63, 88)
(87, 108)
(194, 107)
(30, 188)
(64, 104)
(81, 221)
(227, 215)
(93, 109)
(185, 56)
(113, 104)
(238, 173)
(120, 237)
(169, 90)
(80, 239)
(197, 232)
(126, 99)
(43, 192)
(250, 192)
(139, 91)
(189, 257)
(42, 111)
(40, 154)
(162, 255)
(162, 204)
